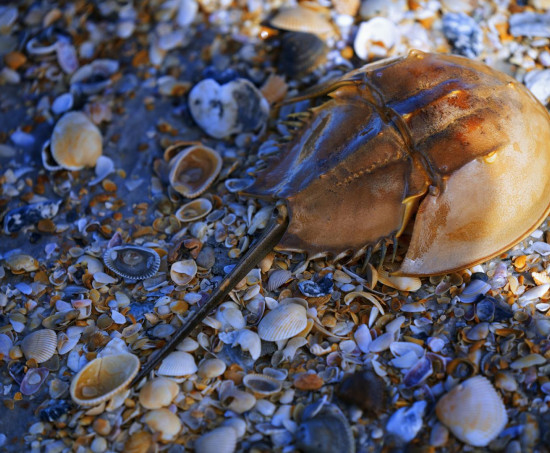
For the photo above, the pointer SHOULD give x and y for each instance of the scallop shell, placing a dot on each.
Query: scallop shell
(194, 169)
(164, 422)
(177, 364)
(473, 411)
(158, 393)
(298, 18)
(301, 53)
(262, 385)
(132, 261)
(194, 210)
(103, 378)
(219, 440)
(40, 345)
(283, 322)
(182, 272)
(76, 142)
(277, 279)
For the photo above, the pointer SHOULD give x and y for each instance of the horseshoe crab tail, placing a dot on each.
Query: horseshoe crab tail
(269, 239)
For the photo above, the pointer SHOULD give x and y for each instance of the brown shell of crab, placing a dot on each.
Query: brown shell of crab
(455, 147)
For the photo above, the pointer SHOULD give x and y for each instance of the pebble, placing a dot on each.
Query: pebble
(532, 25)
(538, 81)
(308, 381)
(464, 34)
(366, 390)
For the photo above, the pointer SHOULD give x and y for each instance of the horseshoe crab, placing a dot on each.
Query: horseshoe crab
(442, 144)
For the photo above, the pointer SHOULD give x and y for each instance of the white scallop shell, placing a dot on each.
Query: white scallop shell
(103, 378)
(164, 422)
(182, 272)
(219, 440)
(283, 322)
(158, 393)
(177, 364)
(39, 345)
(473, 411)
(278, 278)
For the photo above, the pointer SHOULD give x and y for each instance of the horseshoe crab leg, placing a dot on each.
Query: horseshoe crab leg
(269, 239)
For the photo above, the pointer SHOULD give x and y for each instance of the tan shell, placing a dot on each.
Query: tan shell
(193, 169)
(473, 411)
(20, 263)
(283, 322)
(349, 7)
(298, 18)
(158, 393)
(262, 384)
(164, 422)
(103, 378)
(219, 440)
(211, 368)
(139, 442)
(177, 364)
(194, 210)
(39, 345)
(76, 142)
(182, 272)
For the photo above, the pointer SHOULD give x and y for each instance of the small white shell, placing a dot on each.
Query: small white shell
(375, 38)
(278, 278)
(103, 378)
(182, 272)
(194, 210)
(219, 440)
(473, 411)
(283, 322)
(249, 341)
(158, 393)
(39, 345)
(230, 316)
(164, 422)
(177, 364)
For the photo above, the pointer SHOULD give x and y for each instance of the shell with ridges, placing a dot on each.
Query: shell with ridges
(194, 169)
(39, 345)
(132, 261)
(301, 53)
(298, 18)
(176, 365)
(158, 393)
(103, 378)
(283, 322)
(278, 278)
(194, 210)
(219, 440)
(473, 411)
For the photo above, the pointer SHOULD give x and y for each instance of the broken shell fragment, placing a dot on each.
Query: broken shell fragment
(103, 378)
(182, 272)
(76, 142)
(18, 218)
(223, 110)
(158, 393)
(473, 411)
(39, 345)
(33, 380)
(19, 263)
(194, 210)
(283, 322)
(164, 422)
(177, 365)
(132, 261)
(219, 440)
(194, 169)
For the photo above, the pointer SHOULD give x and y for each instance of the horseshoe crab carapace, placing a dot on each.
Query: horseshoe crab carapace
(448, 145)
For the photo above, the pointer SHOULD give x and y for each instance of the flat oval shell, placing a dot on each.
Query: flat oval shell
(473, 411)
(39, 345)
(158, 393)
(103, 378)
(262, 384)
(194, 210)
(76, 142)
(194, 169)
(283, 322)
(132, 261)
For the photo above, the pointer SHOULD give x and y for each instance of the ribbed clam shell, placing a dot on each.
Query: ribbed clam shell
(194, 210)
(262, 384)
(277, 279)
(40, 345)
(158, 393)
(298, 18)
(301, 53)
(284, 321)
(219, 440)
(182, 272)
(132, 261)
(103, 378)
(473, 290)
(177, 364)
(473, 411)
(194, 169)
(76, 142)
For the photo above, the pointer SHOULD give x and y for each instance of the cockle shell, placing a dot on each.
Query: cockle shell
(158, 393)
(194, 210)
(262, 384)
(219, 440)
(283, 322)
(298, 18)
(278, 278)
(301, 53)
(103, 378)
(39, 345)
(164, 422)
(193, 169)
(473, 411)
(182, 272)
(132, 261)
(176, 365)
(76, 142)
